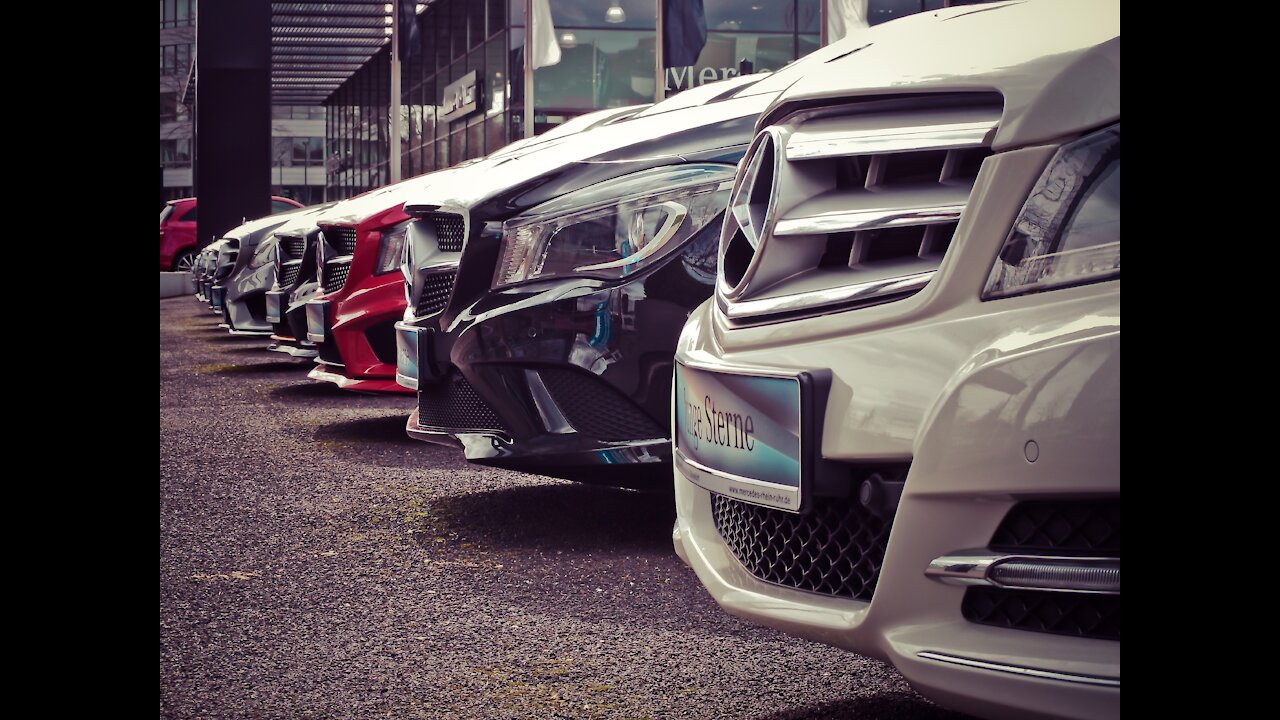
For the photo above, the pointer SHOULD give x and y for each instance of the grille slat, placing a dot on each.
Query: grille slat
(450, 230)
(883, 186)
(335, 276)
(454, 405)
(835, 549)
(434, 294)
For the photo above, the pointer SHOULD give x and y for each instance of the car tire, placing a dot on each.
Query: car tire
(184, 260)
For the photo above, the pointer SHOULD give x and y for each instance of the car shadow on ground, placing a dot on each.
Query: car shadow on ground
(577, 517)
(228, 369)
(381, 430)
(860, 708)
(308, 391)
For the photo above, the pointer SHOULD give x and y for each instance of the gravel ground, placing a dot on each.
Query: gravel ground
(317, 563)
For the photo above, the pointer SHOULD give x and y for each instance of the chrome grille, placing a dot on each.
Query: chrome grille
(335, 275)
(848, 207)
(343, 239)
(450, 230)
(434, 294)
(293, 246)
(835, 549)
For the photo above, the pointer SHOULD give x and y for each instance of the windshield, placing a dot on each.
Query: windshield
(165, 213)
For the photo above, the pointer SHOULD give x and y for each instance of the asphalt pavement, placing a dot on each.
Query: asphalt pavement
(315, 562)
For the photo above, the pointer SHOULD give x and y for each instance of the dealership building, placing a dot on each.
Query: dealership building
(462, 76)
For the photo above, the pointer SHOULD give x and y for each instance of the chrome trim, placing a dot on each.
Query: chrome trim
(813, 145)
(406, 381)
(1113, 682)
(868, 220)
(552, 419)
(730, 485)
(974, 567)
(861, 293)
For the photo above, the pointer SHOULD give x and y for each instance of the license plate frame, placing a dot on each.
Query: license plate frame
(755, 437)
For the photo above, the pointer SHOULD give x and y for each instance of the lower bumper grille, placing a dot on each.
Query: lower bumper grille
(454, 405)
(1075, 614)
(835, 549)
(434, 294)
(596, 409)
(1061, 526)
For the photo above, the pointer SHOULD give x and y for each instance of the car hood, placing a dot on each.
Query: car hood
(1056, 62)
(301, 222)
(355, 210)
(507, 183)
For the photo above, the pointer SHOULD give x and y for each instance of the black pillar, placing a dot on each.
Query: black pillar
(233, 114)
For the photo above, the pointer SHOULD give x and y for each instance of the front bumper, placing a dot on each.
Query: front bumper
(570, 378)
(356, 335)
(289, 323)
(961, 396)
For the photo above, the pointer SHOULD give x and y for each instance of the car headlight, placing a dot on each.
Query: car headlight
(615, 229)
(1068, 232)
(266, 253)
(391, 249)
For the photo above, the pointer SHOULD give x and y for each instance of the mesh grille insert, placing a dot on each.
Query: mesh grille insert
(335, 276)
(454, 405)
(1061, 526)
(434, 294)
(1076, 614)
(343, 239)
(450, 230)
(289, 274)
(835, 549)
(293, 246)
(597, 409)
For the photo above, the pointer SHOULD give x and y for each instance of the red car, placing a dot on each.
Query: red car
(352, 320)
(178, 245)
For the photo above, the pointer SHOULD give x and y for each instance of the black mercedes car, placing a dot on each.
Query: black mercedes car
(548, 346)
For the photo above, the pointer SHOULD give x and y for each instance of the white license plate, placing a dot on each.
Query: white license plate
(407, 356)
(275, 300)
(317, 324)
(740, 435)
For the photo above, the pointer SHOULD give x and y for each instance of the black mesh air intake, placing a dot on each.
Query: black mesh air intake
(1061, 526)
(293, 246)
(1060, 613)
(597, 409)
(450, 230)
(289, 274)
(434, 294)
(335, 276)
(453, 404)
(343, 239)
(835, 549)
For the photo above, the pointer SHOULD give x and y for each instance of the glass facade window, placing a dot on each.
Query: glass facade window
(607, 60)
(177, 13)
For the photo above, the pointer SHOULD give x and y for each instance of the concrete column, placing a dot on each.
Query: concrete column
(232, 114)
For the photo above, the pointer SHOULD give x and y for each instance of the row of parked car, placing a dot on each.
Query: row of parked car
(862, 313)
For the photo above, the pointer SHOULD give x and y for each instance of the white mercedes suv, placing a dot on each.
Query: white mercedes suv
(897, 422)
